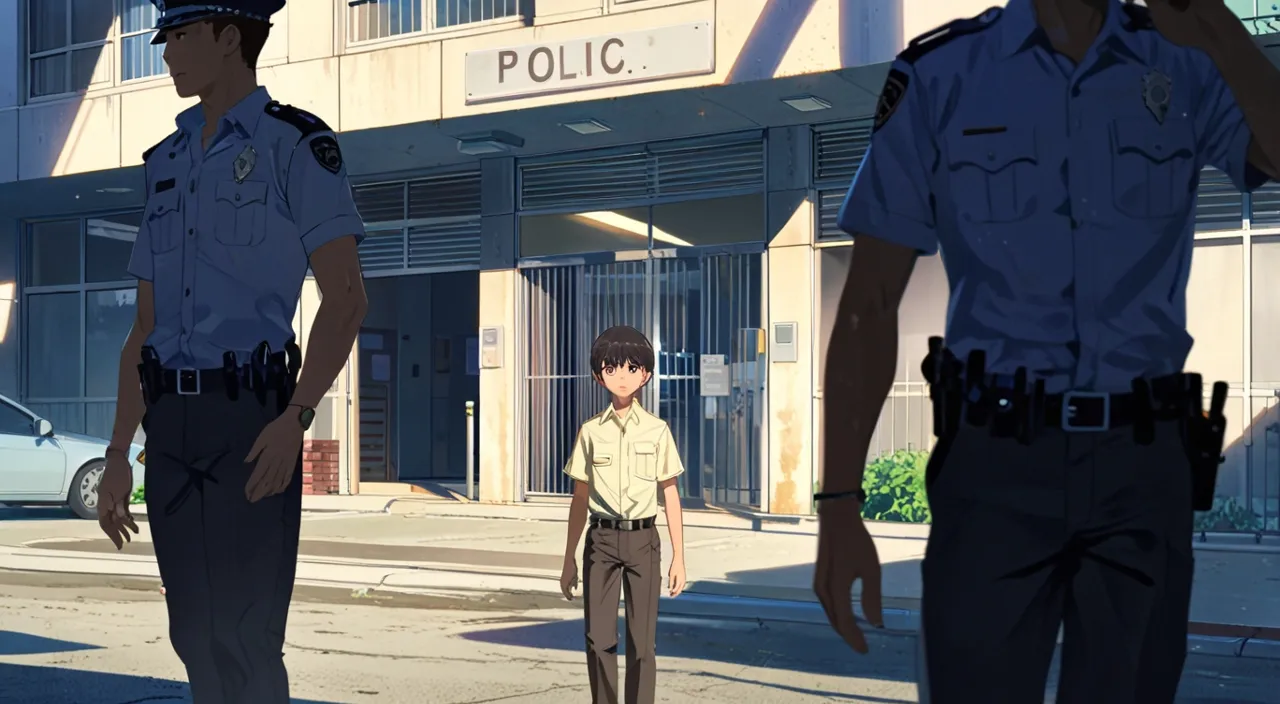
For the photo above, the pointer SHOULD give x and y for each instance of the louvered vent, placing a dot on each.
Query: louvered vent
(838, 153)
(829, 203)
(428, 224)
(1219, 206)
(592, 181)
(1266, 206)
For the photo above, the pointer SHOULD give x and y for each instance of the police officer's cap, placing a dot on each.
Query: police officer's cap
(175, 13)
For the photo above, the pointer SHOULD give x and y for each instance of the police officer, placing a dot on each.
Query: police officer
(241, 198)
(1051, 150)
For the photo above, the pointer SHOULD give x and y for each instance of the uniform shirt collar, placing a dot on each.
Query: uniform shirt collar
(243, 116)
(1019, 29)
(632, 417)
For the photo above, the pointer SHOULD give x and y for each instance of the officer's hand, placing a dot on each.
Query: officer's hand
(114, 492)
(569, 577)
(276, 456)
(846, 553)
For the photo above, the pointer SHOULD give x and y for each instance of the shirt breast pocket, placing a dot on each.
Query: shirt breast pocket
(164, 221)
(646, 459)
(1153, 170)
(992, 175)
(241, 210)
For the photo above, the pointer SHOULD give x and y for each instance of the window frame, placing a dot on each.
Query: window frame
(524, 11)
(113, 41)
(31, 419)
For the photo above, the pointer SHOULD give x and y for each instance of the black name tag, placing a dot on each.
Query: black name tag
(984, 130)
(168, 183)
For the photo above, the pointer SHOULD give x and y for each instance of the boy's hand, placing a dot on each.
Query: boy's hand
(675, 580)
(569, 577)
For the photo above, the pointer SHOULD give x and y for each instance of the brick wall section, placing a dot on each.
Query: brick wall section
(320, 466)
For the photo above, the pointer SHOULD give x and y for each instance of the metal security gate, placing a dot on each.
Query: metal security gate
(707, 304)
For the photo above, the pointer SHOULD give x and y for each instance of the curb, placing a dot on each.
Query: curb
(1204, 639)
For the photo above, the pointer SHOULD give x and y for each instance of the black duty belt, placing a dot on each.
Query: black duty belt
(193, 382)
(622, 524)
(1086, 412)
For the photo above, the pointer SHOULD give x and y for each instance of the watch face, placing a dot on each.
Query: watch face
(305, 417)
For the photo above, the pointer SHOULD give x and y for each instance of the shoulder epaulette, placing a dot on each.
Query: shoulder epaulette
(1139, 16)
(305, 122)
(147, 154)
(934, 39)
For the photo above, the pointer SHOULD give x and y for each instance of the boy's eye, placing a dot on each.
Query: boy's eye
(610, 370)
(633, 369)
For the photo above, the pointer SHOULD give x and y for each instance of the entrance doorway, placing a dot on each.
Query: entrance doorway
(698, 310)
(419, 367)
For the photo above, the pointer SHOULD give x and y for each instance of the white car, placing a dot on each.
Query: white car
(41, 465)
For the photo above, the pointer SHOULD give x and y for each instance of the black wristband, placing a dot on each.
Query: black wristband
(858, 494)
(110, 450)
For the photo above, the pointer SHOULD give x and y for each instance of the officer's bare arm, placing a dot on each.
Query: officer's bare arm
(129, 404)
(342, 307)
(861, 357)
(1255, 83)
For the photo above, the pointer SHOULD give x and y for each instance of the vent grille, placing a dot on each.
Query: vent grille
(591, 181)
(421, 225)
(838, 153)
(1219, 206)
(829, 203)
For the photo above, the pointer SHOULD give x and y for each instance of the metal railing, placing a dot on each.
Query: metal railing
(1264, 24)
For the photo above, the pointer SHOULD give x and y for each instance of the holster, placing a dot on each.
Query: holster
(1203, 437)
(150, 376)
(942, 370)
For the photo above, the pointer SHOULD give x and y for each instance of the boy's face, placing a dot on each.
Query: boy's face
(624, 380)
(196, 55)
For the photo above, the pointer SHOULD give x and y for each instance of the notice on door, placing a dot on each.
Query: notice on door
(714, 374)
(380, 367)
(578, 64)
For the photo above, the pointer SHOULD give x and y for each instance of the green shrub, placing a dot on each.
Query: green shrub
(139, 495)
(1227, 515)
(895, 488)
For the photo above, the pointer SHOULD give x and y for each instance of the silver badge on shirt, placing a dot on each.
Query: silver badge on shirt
(244, 164)
(1157, 93)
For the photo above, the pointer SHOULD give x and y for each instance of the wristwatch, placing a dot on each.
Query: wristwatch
(859, 494)
(306, 416)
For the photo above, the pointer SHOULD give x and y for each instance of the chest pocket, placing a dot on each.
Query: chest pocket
(164, 221)
(241, 210)
(1153, 170)
(992, 175)
(646, 459)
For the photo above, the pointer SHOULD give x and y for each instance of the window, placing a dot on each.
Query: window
(138, 57)
(78, 306)
(15, 422)
(368, 20)
(71, 44)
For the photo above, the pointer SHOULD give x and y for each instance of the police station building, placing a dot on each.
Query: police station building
(531, 172)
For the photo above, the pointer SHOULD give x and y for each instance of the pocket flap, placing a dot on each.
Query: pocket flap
(242, 194)
(1154, 141)
(161, 203)
(992, 151)
(646, 448)
(601, 459)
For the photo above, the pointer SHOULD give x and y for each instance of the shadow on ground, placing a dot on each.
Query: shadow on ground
(34, 684)
(14, 643)
(799, 648)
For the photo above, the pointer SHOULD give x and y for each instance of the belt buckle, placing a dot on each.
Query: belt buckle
(1071, 410)
(188, 382)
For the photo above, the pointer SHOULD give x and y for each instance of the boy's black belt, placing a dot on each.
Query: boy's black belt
(623, 524)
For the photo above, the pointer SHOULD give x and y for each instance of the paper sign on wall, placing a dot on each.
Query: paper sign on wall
(715, 375)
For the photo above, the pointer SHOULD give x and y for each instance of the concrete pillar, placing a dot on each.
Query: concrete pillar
(789, 475)
(499, 411)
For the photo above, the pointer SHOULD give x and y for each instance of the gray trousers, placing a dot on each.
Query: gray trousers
(1087, 531)
(227, 565)
(612, 561)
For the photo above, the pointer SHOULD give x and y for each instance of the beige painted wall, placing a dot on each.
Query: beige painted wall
(403, 80)
(499, 437)
(789, 474)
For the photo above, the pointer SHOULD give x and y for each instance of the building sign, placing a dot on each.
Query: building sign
(578, 64)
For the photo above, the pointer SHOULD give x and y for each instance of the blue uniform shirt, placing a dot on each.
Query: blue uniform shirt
(1062, 196)
(227, 231)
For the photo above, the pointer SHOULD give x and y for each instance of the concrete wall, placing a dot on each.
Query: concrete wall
(421, 77)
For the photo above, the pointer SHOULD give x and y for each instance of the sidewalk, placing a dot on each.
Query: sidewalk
(739, 566)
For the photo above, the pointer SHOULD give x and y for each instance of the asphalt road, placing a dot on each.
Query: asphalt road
(67, 639)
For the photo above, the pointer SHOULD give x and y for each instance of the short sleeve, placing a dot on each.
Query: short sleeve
(1223, 136)
(319, 193)
(141, 262)
(669, 463)
(891, 198)
(576, 468)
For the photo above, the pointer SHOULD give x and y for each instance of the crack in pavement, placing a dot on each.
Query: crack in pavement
(506, 697)
(433, 658)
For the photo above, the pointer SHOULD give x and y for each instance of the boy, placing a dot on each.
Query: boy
(621, 460)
